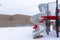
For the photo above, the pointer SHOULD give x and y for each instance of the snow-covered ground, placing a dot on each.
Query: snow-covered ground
(23, 33)
(16, 33)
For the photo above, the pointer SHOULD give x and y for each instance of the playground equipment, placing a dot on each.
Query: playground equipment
(48, 12)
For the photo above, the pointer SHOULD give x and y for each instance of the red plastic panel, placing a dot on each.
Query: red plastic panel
(35, 26)
(50, 17)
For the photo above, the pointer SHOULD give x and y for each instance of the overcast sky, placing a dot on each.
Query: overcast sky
(28, 7)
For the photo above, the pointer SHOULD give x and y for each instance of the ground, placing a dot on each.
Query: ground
(23, 33)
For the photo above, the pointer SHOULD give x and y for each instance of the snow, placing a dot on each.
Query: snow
(16, 33)
(23, 33)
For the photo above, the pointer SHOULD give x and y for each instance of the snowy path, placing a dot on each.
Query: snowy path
(23, 33)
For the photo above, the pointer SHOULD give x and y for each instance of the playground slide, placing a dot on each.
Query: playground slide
(35, 20)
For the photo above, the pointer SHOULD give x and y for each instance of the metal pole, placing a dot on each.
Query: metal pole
(47, 21)
(0, 4)
(57, 20)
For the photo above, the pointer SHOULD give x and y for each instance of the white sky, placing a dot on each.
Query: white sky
(28, 7)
